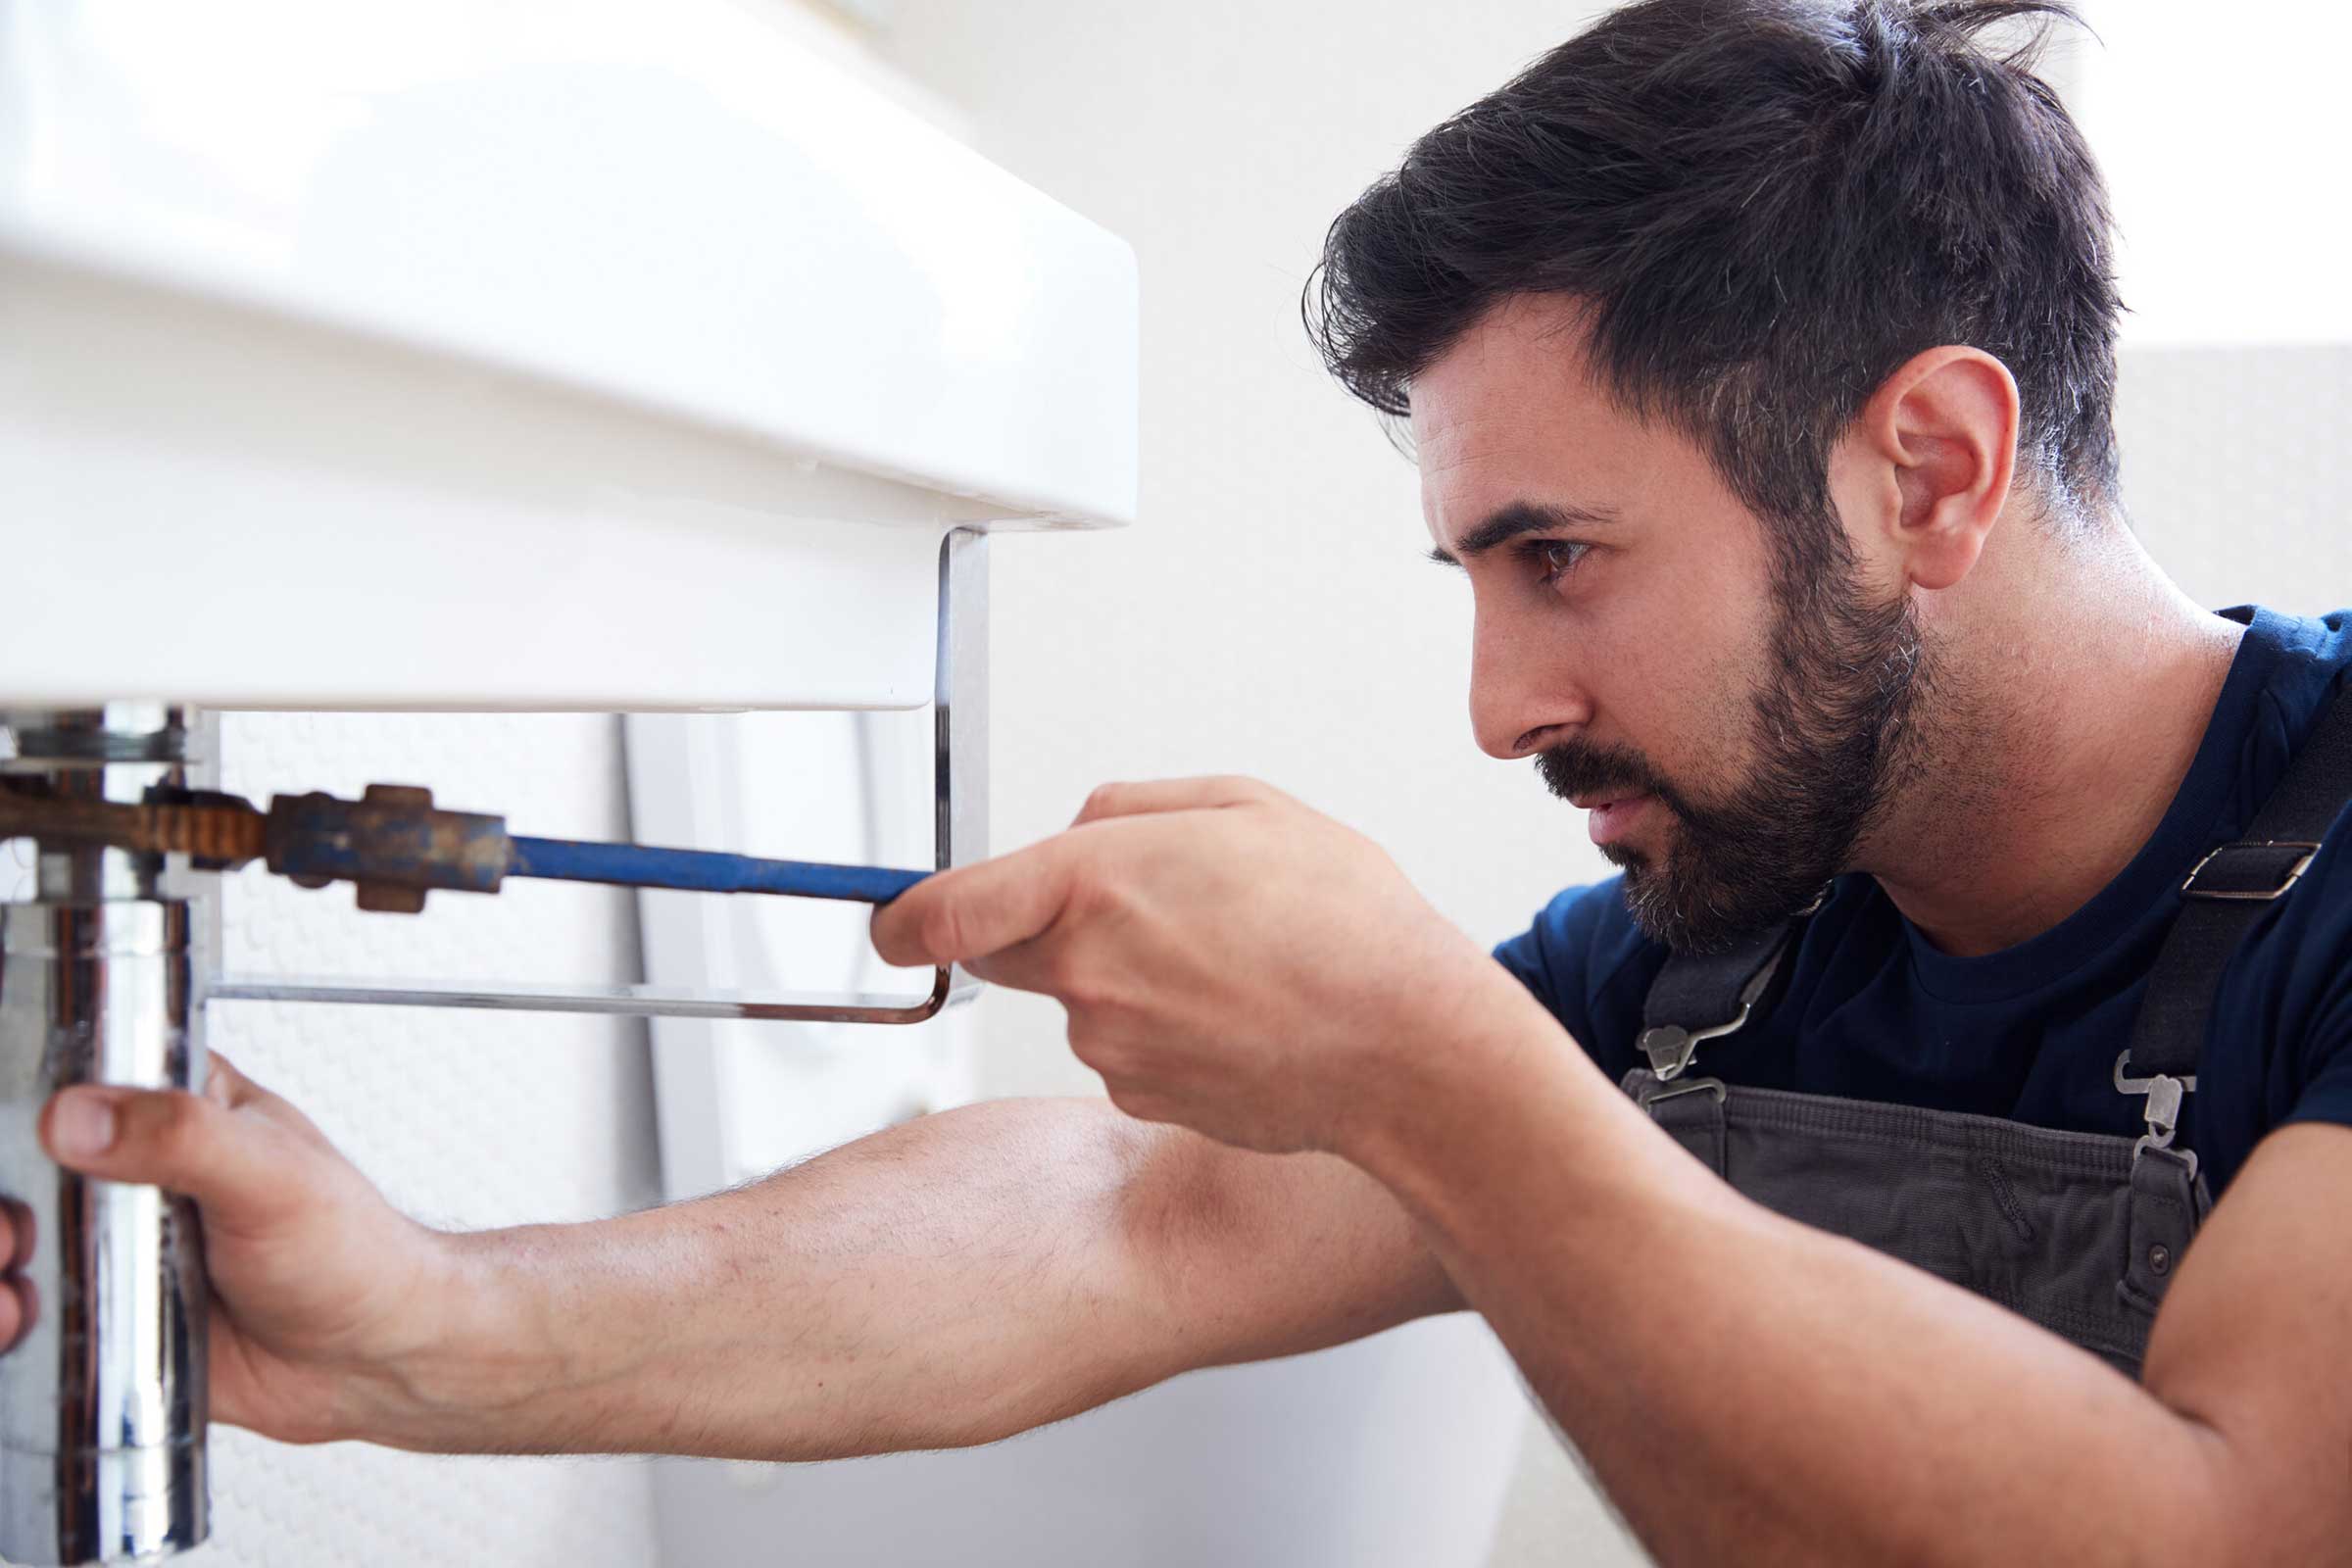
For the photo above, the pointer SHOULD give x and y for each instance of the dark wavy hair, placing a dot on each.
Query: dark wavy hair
(1766, 206)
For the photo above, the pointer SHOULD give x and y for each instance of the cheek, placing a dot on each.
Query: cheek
(1686, 700)
(1675, 615)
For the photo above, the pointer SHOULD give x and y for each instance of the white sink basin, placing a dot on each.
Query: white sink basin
(532, 356)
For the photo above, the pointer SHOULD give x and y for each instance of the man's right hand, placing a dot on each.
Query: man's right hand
(321, 1291)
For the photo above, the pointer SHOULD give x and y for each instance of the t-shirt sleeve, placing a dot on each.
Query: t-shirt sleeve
(1580, 957)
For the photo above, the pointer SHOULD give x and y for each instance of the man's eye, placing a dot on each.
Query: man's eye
(1553, 559)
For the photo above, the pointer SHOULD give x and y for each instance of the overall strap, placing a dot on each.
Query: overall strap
(2231, 889)
(1695, 996)
(1700, 996)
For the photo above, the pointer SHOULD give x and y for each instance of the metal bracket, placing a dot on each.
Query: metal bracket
(959, 783)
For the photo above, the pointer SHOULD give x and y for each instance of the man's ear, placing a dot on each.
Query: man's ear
(1924, 472)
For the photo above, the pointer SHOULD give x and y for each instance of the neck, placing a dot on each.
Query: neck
(2071, 685)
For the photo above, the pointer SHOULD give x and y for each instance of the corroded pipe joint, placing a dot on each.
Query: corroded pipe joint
(391, 842)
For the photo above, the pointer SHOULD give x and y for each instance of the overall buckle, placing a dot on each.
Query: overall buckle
(2161, 1111)
(1670, 1047)
(2284, 871)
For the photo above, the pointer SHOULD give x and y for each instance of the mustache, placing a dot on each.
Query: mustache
(1578, 769)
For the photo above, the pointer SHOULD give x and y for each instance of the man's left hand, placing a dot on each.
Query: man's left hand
(1230, 959)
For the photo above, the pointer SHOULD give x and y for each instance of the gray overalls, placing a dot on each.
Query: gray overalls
(2078, 1232)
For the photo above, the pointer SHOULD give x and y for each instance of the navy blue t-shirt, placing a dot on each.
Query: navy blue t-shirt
(2031, 1033)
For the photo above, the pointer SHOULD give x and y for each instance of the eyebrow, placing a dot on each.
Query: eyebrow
(1522, 518)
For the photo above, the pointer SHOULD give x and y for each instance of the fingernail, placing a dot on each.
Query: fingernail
(83, 1126)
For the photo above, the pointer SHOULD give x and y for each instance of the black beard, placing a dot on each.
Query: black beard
(1834, 734)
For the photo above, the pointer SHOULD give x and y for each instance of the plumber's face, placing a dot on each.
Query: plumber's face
(1732, 731)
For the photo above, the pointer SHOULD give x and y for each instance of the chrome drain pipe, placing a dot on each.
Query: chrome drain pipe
(102, 1400)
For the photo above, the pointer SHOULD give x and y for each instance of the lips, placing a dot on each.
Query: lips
(1615, 816)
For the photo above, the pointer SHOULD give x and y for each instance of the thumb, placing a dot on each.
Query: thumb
(191, 1144)
(977, 910)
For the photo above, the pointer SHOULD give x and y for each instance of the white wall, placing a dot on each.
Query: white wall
(2238, 473)
(2221, 140)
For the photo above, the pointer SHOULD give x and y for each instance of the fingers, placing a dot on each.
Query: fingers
(1171, 794)
(17, 1298)
(17, 1309)
(197, 1145)
(975, 911)
(1025, 966)
(224, 1083)
(16, 1234)
(184, 1142)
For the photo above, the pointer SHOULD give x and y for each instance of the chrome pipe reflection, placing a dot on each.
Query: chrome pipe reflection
(102, 1400)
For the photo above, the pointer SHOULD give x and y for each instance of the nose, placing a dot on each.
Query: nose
(1523, 696)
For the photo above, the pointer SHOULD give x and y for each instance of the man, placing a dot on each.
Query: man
(1758, 361)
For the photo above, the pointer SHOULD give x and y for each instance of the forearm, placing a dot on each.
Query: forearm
(1748, 1389)
(947, 1281)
